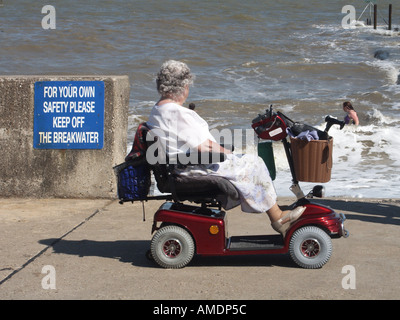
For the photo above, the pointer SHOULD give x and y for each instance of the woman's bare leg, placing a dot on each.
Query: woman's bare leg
(275, 213)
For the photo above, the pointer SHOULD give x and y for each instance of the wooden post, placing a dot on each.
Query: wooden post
(375, 14)
(390, 17)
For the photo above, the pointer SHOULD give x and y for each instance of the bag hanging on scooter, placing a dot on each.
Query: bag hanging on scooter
(133, 180)
(312, 160)
(266, 152)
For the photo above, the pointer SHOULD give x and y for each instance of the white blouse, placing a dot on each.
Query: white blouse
(178, 128)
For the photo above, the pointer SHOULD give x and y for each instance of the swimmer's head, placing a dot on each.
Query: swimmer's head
(347, 106)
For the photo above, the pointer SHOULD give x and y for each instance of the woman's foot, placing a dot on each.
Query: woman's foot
(283, 224)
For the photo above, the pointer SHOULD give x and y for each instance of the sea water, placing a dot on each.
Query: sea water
(246, 55)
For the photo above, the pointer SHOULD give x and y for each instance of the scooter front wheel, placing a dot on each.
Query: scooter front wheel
(172, 247)
(310, 247)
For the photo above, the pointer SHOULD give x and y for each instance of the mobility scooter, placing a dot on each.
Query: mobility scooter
(182, 230)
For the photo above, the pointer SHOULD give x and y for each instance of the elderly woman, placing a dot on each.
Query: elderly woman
(183, 129)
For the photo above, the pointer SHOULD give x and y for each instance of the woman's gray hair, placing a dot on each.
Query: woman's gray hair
(172, 78)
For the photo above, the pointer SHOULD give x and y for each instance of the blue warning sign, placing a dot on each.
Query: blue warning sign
(68, 115)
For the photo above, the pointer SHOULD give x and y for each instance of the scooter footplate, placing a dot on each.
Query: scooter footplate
(263, 242)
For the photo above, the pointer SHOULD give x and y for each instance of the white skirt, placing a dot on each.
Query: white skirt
(250, 176)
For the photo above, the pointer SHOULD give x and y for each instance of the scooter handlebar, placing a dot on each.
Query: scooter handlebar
(330, 121)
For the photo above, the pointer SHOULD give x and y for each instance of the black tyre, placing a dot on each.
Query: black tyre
(310, 247)
(172, 247)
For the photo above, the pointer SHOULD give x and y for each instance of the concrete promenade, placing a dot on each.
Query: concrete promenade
(97, 250)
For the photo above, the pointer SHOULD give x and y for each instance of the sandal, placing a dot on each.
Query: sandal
(290, 218)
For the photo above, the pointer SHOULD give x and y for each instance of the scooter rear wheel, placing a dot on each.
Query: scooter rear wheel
(310, 247)
(172, 247)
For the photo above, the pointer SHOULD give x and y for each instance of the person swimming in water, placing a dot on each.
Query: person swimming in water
(351, 117)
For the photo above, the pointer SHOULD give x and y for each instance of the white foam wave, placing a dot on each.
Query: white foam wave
(391, 69)
(377, 117)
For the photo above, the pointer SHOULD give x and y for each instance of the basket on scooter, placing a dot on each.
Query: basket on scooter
(312, 159)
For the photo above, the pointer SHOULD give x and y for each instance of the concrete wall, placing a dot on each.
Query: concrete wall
(69, 173)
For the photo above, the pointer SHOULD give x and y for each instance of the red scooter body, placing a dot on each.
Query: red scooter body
(209, 232)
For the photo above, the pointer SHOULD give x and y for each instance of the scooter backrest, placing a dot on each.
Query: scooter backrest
(139, 145)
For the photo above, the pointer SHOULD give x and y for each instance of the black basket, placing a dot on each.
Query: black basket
(133, 180)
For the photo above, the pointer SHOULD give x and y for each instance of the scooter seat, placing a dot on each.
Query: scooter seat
(194, 188)
(204, 187)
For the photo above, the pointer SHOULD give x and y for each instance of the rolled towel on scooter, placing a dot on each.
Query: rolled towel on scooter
(297, 128)
(305, 135)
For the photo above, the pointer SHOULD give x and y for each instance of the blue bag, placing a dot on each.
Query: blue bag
(133, 180)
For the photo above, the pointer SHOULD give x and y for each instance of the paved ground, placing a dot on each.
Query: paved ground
(97, 250)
